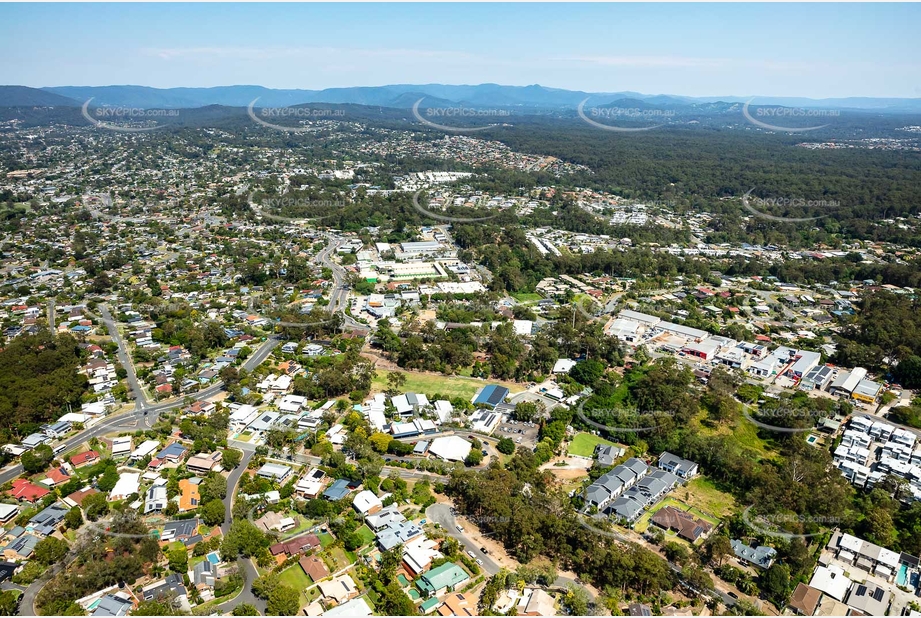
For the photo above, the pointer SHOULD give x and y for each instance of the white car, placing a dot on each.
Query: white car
(471, 554)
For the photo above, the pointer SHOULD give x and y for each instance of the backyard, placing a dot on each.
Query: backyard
(583, 444)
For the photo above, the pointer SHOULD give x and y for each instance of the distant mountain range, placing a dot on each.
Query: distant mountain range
(404, 96)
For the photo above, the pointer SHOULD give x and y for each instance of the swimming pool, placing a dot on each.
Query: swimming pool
(902, 576)
(213, 557)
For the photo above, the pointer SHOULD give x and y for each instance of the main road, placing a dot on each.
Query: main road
(339, 296)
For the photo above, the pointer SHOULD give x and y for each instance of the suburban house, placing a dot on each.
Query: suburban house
(314, 567)
(293, 547)
(606, 455)
(686, 525)
(367, 503)
(203, 463)
(760, 556)
(446, 578)
(340, 589)
(189, 498)
(86, 458)
(678, 466)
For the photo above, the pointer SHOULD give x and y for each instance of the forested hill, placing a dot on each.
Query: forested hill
(38, 378)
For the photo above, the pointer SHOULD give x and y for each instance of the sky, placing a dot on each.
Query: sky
(809, 50)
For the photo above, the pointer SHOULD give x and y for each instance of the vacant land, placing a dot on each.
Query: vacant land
(584, 444)
(703, 494)
(295, 577)
(446, 386)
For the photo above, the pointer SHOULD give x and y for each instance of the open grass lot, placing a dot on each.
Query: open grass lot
(527, 297)
(643, 522)
(447, 386)
(339, 557)
(295, 577)
(584, 444)
(365, 533)
(702, 493)
(326, 539)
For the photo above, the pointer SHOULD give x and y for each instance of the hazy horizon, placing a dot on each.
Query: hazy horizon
(783, 50)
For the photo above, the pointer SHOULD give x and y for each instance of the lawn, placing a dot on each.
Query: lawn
(295, 577)
(339, 557)
(643, 522)
(703, 494)
(326, 539)
(527, 297)
(366, 534)
(446, 386)
(584, 444)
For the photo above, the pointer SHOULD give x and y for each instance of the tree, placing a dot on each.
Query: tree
(263, 586)
(213, 487)
(231, 458)
(74, 518)
(95, 506)
(396, 380)
(179, 560)
(506, 446)
(587, 372)
(474, 458)
(50, 550)
(37, 459)
(775, 583)
(380, 441)
(717, 547)
(9, 603)
(244, 609)
(155, 608)
(108, 480)
(212, 513)
(283, 601)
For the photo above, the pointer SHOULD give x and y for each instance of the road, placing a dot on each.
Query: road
(140, 396)
(51, 323)
(244, 564)
(339, 296)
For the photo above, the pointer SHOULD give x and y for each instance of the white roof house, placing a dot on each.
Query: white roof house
(450, 448)
(128, 483)
(563, 365)
(144, 449)
(444, 410)
(366, 501)
(831, 580)
(121, 446)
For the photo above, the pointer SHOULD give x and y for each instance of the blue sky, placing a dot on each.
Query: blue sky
(813, 50)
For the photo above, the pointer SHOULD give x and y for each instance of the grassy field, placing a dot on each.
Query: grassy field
(584, 444)
(447, 386)
(527, 297)
(366, 534)
(295, 577)
(703, 494)
(326, 539)
(643, 522)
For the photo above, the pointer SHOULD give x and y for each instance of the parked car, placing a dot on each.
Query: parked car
(471, 554)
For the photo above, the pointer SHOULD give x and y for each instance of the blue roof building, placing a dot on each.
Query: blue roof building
(490, 396)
